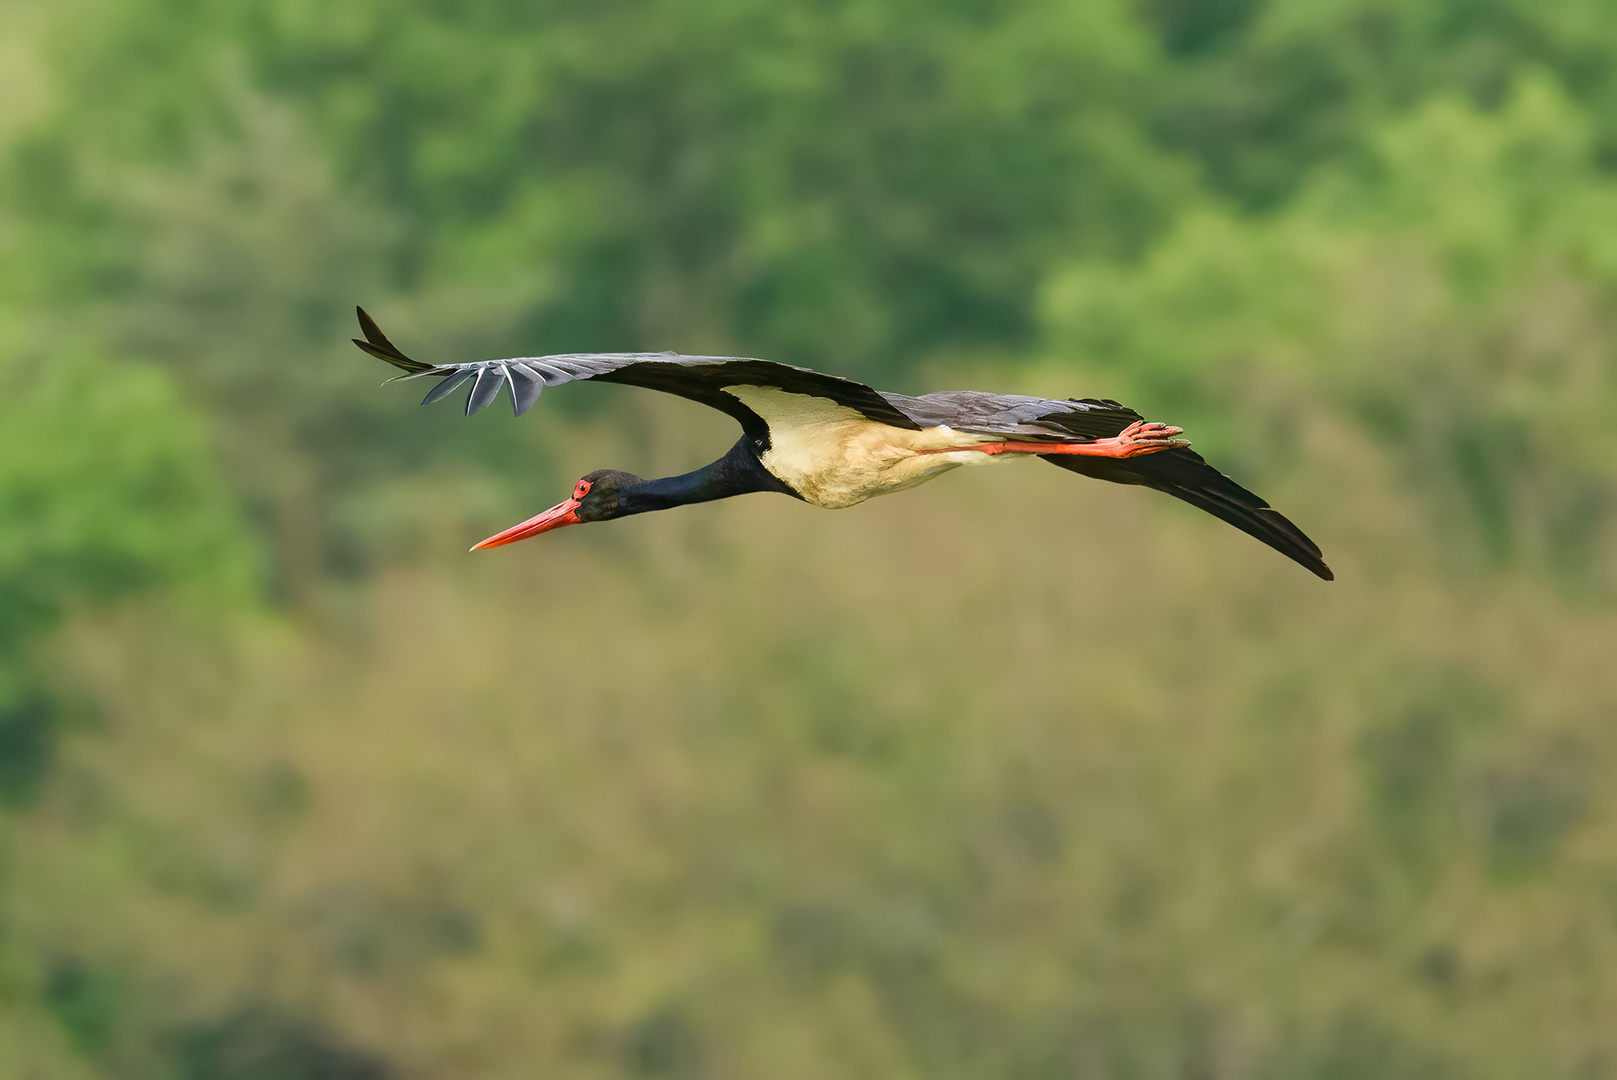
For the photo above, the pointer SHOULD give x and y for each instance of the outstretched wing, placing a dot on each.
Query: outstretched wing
(1179, 472)
(703, 379)
(1186, 475)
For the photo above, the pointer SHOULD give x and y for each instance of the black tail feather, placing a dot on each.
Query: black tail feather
(379, 346)
(1185, 475)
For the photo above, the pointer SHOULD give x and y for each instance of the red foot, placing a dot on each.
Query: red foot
(1138, 438)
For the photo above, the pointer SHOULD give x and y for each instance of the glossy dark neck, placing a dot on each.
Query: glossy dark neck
(739, 472)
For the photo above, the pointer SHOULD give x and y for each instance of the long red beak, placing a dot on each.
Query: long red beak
(554, 518)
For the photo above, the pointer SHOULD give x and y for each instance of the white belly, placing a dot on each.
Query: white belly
(835, 457)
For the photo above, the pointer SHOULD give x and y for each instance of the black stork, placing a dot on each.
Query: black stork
(834, 442)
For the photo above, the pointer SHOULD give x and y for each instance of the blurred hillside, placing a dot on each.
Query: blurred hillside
(1013, 776)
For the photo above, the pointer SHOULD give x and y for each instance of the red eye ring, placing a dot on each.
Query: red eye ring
(582, 489)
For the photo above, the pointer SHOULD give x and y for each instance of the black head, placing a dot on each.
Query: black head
(596, 497)
(597, 494)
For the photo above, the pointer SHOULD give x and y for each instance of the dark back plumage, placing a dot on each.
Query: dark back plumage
(1030, 418)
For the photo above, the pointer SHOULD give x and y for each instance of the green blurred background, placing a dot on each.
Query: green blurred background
(1016, 775)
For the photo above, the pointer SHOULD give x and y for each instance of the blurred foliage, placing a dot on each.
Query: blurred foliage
(1011, 777)
(109, 491)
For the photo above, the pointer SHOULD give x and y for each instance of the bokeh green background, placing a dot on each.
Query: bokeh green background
(1015, 775)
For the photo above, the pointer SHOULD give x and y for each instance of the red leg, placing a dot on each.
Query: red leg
(1136, 439)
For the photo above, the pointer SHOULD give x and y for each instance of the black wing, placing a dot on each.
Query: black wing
(698, 378)
(1181, 473)
(1184, 474)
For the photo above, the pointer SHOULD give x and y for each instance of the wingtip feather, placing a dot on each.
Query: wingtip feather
(1185, 475)
(377, 344)
(373, 333)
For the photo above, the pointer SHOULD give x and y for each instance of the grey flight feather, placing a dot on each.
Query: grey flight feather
(445, 387)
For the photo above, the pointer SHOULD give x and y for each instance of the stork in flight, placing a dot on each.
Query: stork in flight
(834, 442)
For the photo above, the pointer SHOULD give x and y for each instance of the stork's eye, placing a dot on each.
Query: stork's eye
(582, 489)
